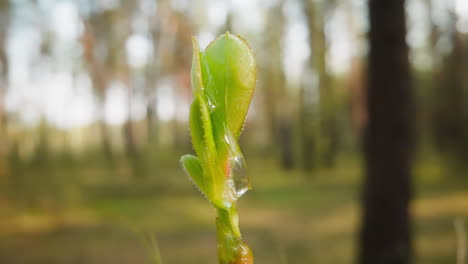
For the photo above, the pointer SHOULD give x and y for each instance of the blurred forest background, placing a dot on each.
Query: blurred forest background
(94, 102)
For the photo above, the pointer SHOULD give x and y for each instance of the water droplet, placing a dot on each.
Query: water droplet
(211, 104)
(238, 180)
(229, 192)
(239, 175)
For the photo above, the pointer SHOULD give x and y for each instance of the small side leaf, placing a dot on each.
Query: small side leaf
(196, 128)
(194, 170)
(210, 145)
(200, 113)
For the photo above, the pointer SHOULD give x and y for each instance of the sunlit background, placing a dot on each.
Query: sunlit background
(94, 103)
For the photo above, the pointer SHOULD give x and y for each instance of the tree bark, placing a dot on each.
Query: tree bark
(386, 236)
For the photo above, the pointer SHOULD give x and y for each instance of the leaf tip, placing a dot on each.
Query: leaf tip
(197, 84)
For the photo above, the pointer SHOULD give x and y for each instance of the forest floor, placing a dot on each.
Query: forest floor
(288, 218)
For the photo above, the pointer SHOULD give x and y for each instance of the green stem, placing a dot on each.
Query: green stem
(231, 248)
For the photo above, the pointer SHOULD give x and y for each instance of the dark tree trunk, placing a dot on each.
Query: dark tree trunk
(385, 237)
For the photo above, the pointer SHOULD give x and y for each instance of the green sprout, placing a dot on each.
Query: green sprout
(223, 82)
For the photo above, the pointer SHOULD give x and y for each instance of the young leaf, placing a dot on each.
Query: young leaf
(223, 81)
(194, 170)
(200, 120)
(229, 75)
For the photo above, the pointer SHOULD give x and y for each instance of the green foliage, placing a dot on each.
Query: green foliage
(223, 82)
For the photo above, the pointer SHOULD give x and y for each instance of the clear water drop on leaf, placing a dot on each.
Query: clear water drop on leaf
(211, 104)
(237, 177)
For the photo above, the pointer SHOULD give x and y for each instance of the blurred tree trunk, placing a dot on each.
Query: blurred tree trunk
(182, 64)
(308, 123)
(3, 81)
(105, 36)
(99, 80)
(4, 65)
(128, 130)
(385, 237)
(356, 79)
(228, 24)
(130, 77)
(327, 127)
(358, 89)
(152, 73)
(451, 95)
(127, 75)
(434, 79)
(277, 99)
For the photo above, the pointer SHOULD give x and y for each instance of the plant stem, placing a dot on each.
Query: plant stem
(231, 248)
